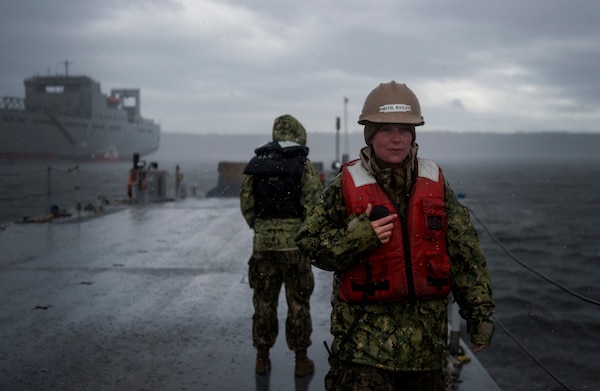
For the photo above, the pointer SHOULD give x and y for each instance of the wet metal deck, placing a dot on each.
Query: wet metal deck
(145, 298)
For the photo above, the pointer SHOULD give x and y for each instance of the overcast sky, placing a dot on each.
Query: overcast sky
(218, 66)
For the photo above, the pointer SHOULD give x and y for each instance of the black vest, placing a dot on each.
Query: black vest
(277, 180)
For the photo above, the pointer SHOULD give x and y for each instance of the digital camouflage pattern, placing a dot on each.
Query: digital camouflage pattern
(276, 258)
(288, 128)
(267, 270)
(353, 377)
(402, 336)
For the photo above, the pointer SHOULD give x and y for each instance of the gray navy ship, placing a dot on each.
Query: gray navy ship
(68, 117)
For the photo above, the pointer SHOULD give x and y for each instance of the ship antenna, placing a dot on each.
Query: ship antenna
(66, 67)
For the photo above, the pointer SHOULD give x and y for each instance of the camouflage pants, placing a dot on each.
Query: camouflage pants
(354, 377)
(268, 271)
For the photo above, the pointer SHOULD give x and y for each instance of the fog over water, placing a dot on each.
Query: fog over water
(441, 146)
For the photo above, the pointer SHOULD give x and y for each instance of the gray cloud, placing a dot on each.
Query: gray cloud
(232, 66)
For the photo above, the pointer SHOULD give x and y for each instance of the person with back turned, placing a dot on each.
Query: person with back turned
(399, 241)
(279, 186)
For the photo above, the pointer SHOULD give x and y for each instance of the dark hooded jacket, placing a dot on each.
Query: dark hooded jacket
(279, 186)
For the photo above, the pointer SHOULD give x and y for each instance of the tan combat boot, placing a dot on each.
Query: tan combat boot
(263, 363)
(304, 365)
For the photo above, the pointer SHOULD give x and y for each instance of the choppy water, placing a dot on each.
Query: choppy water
(546, 214)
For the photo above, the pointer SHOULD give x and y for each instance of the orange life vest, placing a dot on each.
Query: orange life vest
(414, 263)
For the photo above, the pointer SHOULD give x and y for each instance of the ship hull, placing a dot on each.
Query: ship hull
(69, 117)
(29, 136)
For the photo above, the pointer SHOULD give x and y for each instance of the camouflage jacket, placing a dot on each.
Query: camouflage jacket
(278, 234)
(402, 336)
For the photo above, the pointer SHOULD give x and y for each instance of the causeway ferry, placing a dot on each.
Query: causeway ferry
(150, 295)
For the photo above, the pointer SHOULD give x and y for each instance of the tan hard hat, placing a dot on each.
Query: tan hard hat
(391, 103)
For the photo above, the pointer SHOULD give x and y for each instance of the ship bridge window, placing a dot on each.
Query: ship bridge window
(55, 89)
(72, 88)
(129, 101)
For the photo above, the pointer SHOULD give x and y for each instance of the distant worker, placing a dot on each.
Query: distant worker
(279, 186)
(137, 176)
(178, 180)
(133, 175)
(131, 181)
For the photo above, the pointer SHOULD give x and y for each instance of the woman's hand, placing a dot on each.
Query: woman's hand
(382, 227)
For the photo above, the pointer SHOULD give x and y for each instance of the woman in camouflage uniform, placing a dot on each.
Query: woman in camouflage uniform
(398, 341)
(279, 186)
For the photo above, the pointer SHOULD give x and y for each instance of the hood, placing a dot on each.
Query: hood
(288, 128)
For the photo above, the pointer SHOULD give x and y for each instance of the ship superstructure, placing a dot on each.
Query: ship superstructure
(68, 117)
